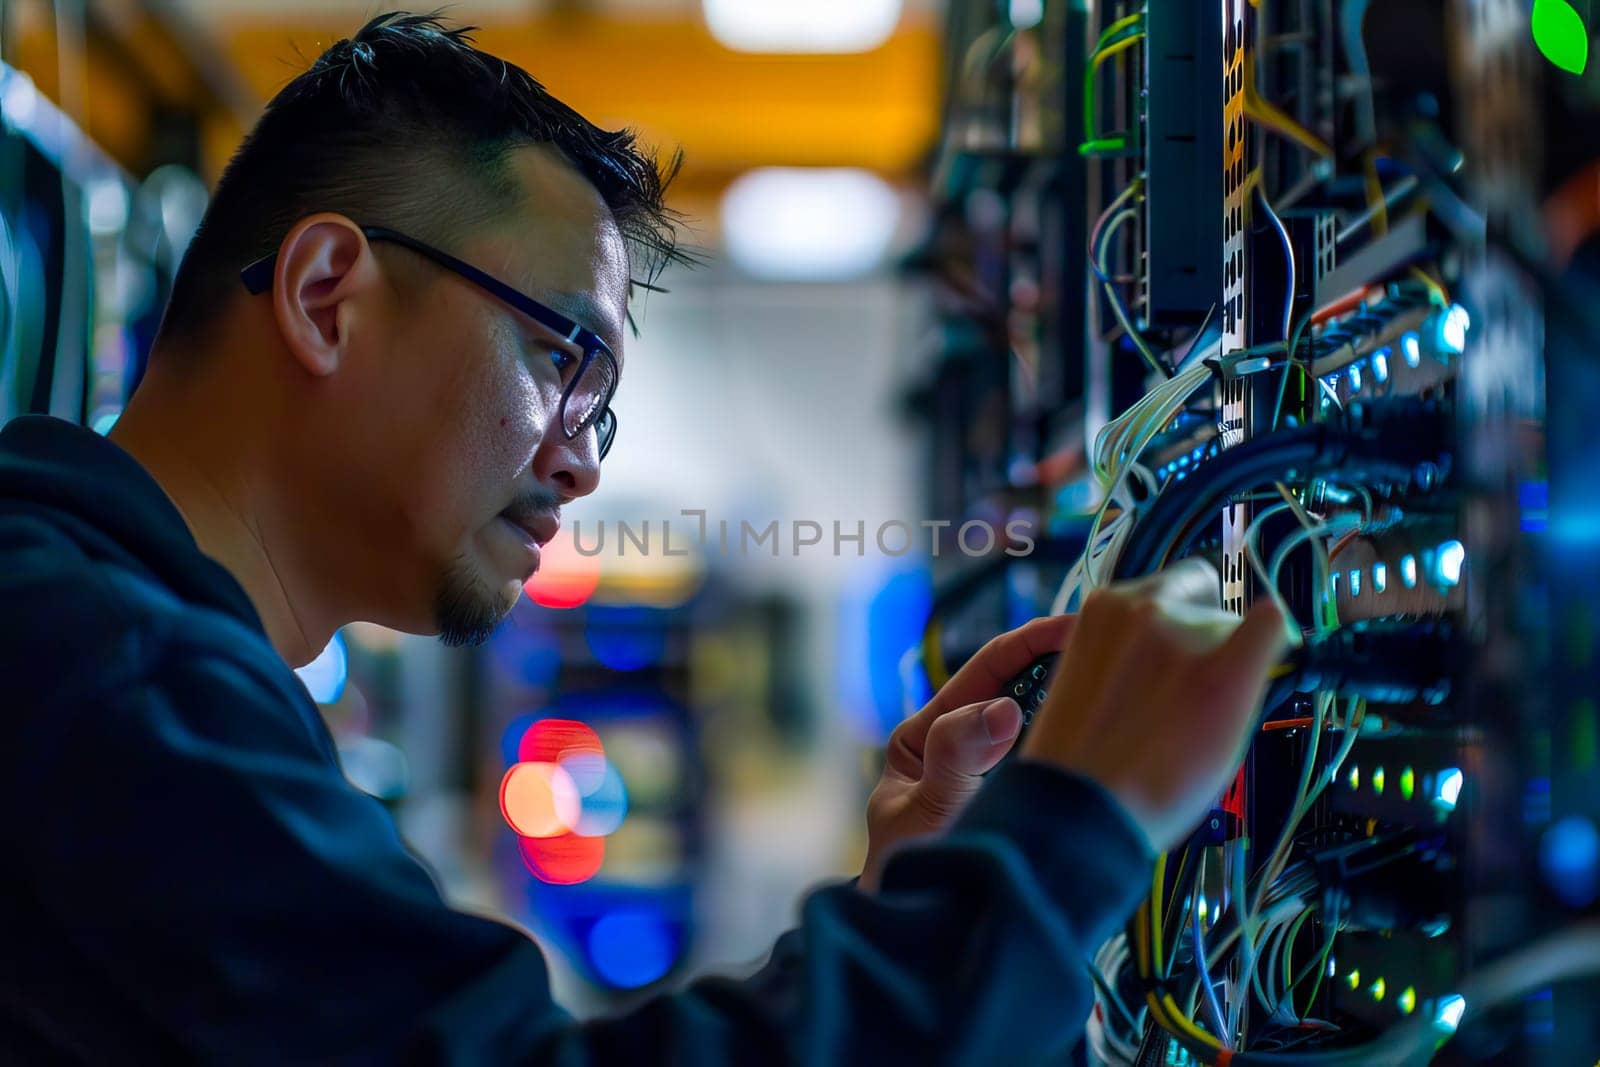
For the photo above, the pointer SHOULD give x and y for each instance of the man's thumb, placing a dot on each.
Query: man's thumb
(966, 743)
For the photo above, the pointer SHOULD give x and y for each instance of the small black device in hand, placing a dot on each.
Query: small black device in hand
(1028, 688)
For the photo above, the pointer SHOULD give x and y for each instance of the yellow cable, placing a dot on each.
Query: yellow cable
(1435, 291)
(1171, 1018)
(1158, 884)
(1265, 113)
(1103, 54)
(1118, 26)
(1375, 202)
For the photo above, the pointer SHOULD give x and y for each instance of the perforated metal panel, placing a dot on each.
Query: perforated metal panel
(1235, 400)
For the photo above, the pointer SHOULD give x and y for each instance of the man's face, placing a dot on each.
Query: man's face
(466, 394)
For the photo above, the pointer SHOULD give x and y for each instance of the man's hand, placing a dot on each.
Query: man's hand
(1155, 703)
(937, 758)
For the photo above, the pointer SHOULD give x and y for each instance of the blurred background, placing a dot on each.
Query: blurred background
(735, 702)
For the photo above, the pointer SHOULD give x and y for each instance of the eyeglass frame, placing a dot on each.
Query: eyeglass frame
(257, 279)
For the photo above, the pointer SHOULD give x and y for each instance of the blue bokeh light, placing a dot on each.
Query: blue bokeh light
(875, 632)
(511, 739)
(1569, 855)
(626, 638)
(527, 655)
(325, 676)
(601, 791)
(631, 948)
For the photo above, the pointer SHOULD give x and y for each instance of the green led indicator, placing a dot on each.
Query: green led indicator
(1377, 990)
(1407, 1002)
(1408, 783)
(1353, 979)
(1355, 778)
(1559, 32)
(1377, 781)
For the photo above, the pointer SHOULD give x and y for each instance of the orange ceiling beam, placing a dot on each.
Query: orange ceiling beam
(674, 83)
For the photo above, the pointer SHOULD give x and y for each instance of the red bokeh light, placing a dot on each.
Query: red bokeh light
(548, 740)
(565, 578)
(564, 860)
(540, 799)
(539, 794)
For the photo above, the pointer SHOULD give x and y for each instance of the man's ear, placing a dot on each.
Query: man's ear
(323, 263)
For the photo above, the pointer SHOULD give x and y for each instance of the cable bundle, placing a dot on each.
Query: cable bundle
(1127, 483)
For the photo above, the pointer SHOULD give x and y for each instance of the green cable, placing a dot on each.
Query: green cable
(1110, 43)
(1322, 972)
(1287, 961)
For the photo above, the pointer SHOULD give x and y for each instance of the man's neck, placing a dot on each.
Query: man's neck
(217, 502)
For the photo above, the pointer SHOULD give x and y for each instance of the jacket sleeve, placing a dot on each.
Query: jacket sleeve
(203, 852)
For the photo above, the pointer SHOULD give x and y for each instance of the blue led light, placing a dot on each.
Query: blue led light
(1411, 345)
(1453, 327)
(630, 949)
(1533, 500)
(1448, 791)
(1408, 571)
(1198, 453)
(1380, 577)
(1569, 855)
(1355, 379)
(1450, 1010)
(325, 676)
(1380, 365)
(1183, 461)
(1355, 581)
(1447, 562)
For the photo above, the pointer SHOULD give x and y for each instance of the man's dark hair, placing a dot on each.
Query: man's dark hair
(407, 125)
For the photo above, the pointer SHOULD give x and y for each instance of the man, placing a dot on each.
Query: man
(379, 418)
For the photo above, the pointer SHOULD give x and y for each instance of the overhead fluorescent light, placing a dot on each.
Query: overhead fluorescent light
(801, 224)
(795, 26)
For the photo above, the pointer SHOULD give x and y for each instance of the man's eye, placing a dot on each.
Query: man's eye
(563, 360)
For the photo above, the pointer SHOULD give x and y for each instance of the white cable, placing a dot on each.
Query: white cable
(1114, 461)
(1252, 551)
(1109, 960)
(1288, 253)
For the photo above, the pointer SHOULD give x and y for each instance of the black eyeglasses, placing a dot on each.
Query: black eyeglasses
(587, 392)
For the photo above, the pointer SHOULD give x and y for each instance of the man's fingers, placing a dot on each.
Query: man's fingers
(982, 677)
(1188, 581)
(962, 746)
(1255, 646)
(1235, 675)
